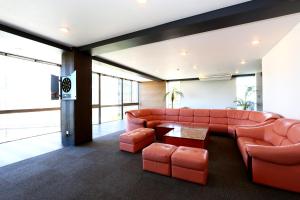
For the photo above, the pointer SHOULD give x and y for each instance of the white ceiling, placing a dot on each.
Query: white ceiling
(219, 51)
(94, 20)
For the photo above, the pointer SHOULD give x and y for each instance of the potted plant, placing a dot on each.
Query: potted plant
(174, 93)
(245, 104)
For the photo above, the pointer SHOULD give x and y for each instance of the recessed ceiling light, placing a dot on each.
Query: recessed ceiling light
(141, 1)
(255, 42)
(183, 52)
(243, 62)
(64, 29)
(195, 67)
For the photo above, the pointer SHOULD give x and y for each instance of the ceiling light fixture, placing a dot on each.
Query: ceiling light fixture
(255, 42)
(183, 53)
(64, 29)
(141, 1)
(243, 62)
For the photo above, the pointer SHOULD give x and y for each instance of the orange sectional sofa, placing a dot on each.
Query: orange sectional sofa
(272, 153)
(269, 144)
(219, 121)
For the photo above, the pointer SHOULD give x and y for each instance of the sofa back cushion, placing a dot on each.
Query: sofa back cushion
(257, 116)
(158, 114)
(143, 114)
(201, 116)
(279, 134)
(172, 114)
(293, 134)
(238, 114)
(218, 117)
(186, 115)
(140, 113)
(239, 117)
(262, 116)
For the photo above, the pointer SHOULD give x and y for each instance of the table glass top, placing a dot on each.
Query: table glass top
(198, 133)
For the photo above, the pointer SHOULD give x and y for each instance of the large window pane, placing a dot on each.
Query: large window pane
(95, 88)
(128, 108)
(110, 90)
(135, 92)
(25, 84)
(95, 116)
(242, 85)
(111, 114)
(170, 87)
(127, 98)
(22, 125)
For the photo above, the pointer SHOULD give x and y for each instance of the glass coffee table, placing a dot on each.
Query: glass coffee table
(182, 135)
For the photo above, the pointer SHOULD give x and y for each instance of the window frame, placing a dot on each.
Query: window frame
(122, 104)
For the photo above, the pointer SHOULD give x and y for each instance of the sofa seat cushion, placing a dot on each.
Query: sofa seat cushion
(191, 158)
(159, 152)
(244, 141)
(136, 136)
(253, 141)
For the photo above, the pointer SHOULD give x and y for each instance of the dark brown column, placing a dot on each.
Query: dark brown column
(76, 115)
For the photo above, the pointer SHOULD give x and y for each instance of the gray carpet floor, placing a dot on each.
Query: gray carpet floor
(100, 171)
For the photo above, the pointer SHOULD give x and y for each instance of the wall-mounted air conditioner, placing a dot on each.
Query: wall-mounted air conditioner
(215, 77)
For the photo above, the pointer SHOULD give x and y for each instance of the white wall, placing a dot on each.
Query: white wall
(281, 76)
(210, 94)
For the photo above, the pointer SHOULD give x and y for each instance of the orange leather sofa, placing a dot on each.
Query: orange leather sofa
(219, 121)
(272, 153)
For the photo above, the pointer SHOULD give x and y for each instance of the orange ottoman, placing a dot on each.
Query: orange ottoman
(157, 158)
(137, 139)
(190, 164)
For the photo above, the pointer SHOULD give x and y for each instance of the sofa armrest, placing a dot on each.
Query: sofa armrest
(283, 155)
(251, 131)
(132, 119)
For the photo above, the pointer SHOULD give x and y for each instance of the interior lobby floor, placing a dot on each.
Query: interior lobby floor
(15, 151)
(99, 170)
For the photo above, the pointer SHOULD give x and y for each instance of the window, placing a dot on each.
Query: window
(170, 87)
(110, 90)
(128, 108)
(111, 113)
(242, 84)
(130, 91)
(127, 91)
(24, 88)
(135, 92)
(25, 84)
(109, 106)
(95, 88)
